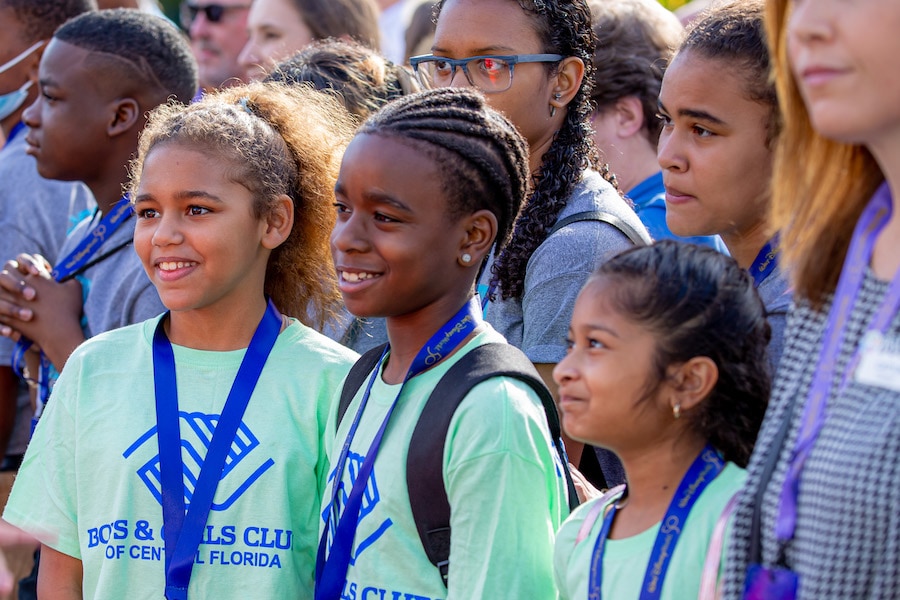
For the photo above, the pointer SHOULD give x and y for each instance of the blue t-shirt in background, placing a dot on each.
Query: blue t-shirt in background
(649, 197)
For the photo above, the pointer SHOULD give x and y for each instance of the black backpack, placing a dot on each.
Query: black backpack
(638, 237)
(424, 464)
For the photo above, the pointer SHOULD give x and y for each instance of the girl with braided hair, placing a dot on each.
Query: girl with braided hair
(427, 188)
(532, 59)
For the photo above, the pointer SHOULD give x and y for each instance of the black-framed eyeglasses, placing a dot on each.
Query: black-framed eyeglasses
(212, 12)
(489, 73)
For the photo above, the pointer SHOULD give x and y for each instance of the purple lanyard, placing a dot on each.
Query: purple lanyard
(183, 530)
(331, 573)
(765, 262)
(871, 222)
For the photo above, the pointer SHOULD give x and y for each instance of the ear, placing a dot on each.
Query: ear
(479, 233)
(278, 223)
(691, 382)
(567, 82)
(35, 63)
(126, 112)
(629, 116)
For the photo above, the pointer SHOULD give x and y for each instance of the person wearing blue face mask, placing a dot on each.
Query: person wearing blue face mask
(35, 213)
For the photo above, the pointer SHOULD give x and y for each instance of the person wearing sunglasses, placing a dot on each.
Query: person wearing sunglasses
(532, 61)
(218, 32)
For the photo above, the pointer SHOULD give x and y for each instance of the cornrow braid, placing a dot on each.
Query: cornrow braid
(564, 26)
(483, 159)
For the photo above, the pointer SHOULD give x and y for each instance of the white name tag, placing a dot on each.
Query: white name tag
(879, 366)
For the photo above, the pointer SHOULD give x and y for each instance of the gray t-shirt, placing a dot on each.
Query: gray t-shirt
(776, 296)
(35, 215)
(538, 322)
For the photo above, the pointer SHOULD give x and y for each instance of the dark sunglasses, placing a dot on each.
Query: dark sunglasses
(212, 12)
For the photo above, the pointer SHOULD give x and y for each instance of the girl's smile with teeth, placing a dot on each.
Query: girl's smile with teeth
(354, 277)
(171, 265)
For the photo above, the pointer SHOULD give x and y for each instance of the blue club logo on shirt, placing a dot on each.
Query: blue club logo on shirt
(241, 469)
(371, 497)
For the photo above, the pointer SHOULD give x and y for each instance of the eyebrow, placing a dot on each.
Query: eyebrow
(478, 51)
(184, 195)
(598, 327)
(376, 197)
(693, 113)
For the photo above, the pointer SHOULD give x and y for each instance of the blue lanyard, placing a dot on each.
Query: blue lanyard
(331, 573)
(183, 532)
(703, 470)
(95, 238)
(18, 127)
(765, 262)
(65, 270)
(871, 222)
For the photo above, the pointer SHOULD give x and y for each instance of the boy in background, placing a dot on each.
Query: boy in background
(35, 213)
(99, 77)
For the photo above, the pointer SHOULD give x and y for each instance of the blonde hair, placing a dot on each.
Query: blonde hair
(820, 187)
(277, 140)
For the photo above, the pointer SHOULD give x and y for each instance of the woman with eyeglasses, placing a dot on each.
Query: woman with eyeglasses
(532, 60)
(280, 28)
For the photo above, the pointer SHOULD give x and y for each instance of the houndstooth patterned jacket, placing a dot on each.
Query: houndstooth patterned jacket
(847, 540)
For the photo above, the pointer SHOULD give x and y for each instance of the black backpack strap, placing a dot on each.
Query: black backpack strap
(355, 379)
(424, 465)
(638, 237)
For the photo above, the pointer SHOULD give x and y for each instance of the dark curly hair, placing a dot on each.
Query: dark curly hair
(483, 159)
(564, 26)
(735, 33)
(354, 73)
(635, 40)
(40, 18)
(699, 302)
(276, 140)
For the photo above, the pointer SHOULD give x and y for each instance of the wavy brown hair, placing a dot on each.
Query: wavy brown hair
(277, 140)
(820, 187)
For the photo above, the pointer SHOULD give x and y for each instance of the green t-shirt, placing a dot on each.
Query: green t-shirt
(89, 485)
(625, 560)
(503, 479)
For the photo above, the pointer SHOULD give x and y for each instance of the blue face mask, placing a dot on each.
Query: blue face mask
(11, 102)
